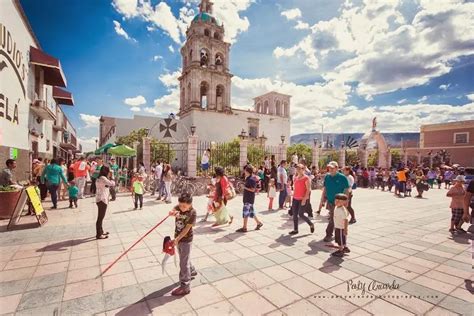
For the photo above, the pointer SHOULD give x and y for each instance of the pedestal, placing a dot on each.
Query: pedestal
(315, 153)
(192, 156)
(243, 153)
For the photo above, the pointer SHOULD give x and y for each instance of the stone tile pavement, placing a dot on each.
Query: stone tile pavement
(53, 270)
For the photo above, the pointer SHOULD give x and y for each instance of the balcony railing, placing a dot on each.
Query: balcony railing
(41, 109)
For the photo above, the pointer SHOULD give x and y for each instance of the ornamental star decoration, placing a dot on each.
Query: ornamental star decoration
(168, 127)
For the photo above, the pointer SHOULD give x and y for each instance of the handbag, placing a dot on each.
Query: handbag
(230, 192)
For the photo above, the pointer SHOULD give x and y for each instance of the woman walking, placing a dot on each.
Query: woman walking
(102, 200)
(220, 200)
(53, 175)
(419, 183)
(350, 177)
(302, 188)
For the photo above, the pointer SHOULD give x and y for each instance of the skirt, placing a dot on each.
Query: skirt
(222, 215)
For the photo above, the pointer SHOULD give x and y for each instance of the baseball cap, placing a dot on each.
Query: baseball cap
(460, 178)
(333, 164)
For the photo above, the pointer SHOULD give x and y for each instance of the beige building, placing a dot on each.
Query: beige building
(32, 123)
(205, 97)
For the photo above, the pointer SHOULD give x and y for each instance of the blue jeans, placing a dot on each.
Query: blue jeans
(53, 190)
(282, 197)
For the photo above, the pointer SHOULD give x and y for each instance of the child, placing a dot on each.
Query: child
(210, 198)
(73, 191)
(341, 223)
(408, 188)
(138, 189)
(249, 200)
(456, 193)
(271, 194)
(183, 237)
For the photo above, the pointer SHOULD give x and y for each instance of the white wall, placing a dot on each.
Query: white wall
(220, 127)
(15, 134)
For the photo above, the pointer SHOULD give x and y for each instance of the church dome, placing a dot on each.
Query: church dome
(205, 17)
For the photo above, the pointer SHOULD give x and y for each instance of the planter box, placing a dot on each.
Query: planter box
(8, 201)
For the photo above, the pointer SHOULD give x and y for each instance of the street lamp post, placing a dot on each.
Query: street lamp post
(96, 144)
(193, 129)
(282, 137)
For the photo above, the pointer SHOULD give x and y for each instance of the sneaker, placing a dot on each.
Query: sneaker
(327, 239)
(293, 232)
(337, 253)
(180, 291)
(352, 221)
(259, 226)
(346, 250)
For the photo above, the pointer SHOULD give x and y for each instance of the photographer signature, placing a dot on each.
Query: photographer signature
(372, 286)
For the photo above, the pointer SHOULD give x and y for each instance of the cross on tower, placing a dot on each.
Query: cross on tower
(206, 6)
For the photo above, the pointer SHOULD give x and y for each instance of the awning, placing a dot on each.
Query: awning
(53, 73)
(103, 149)
(62, 96)
(122, 151)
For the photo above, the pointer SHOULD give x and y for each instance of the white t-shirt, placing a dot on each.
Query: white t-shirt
(340, 214)
(282, 173)
(267, 164)
(158, 171)
(294, 159)
(351, 182)
(205, 158)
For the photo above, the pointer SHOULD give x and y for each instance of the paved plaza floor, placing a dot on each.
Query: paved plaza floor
(53, 270)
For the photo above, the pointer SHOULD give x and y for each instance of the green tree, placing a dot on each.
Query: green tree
(373, 159)
(302, 150)
(159, 150)
(352, 158)
(396, 157)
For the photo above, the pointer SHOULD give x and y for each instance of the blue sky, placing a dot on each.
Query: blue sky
(344, 62)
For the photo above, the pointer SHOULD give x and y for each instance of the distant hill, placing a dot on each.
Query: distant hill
(393, 139)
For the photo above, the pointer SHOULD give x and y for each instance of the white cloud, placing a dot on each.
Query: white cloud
(423, 98)
(136, 101)
(128, 8)
(135, 109)
(88, 144)
(120, 31)
(470, 96)
(157, 57)
(396, 118)
(291, 14)
(160, 16)
(171, 48)
(90, 121)
(300, 25)
(384, 51)
(444, 86)
(401, 101)
(368, 97)
(170, 79)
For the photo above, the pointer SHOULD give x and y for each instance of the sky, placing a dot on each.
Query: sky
(406, 62)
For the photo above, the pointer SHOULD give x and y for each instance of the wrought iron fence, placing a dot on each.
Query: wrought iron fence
(256, 154)
(225, 155)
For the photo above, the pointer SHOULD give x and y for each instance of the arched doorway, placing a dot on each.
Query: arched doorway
(204, 94)
(382, 147)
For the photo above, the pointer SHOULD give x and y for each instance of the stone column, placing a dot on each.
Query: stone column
(342, 156)
(364, 157)
(135, 146)
(243, 153)
(192, 155)
(316, 154)
(147, 153)
(405, 157)
(418, 156)
(431, 160)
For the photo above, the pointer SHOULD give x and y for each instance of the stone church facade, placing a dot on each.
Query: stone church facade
(205, 90)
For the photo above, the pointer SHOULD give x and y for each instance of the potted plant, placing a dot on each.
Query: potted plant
(9, 196)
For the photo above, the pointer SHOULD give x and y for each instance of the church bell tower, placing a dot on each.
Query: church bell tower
(205, 80)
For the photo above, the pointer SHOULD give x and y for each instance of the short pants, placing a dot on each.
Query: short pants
(340, 237)
(205, 166)
(248, 211)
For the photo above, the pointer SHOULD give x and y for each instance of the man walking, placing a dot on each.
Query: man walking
(282, 179)
(334, 183)
(157, 177)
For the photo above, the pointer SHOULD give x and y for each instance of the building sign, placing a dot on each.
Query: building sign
(14, 153)
(15, 86)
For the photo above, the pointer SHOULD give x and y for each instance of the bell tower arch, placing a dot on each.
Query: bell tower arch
(205, 80)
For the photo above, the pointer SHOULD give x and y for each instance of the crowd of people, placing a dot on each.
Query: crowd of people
(287, 183)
